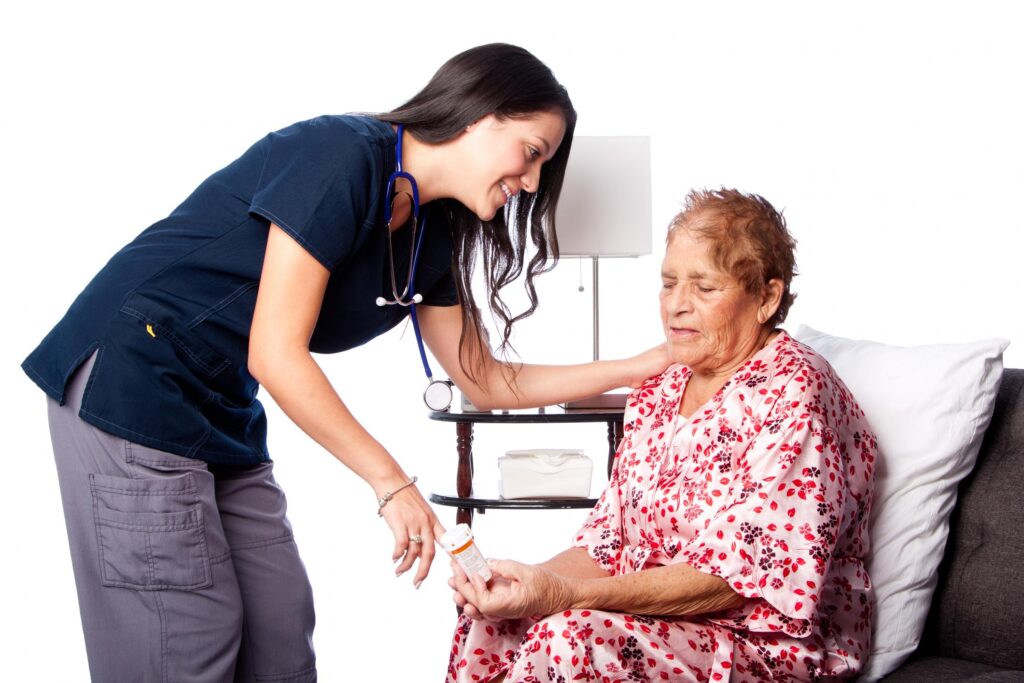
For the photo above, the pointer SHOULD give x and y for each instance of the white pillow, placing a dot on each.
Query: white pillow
(929, 407)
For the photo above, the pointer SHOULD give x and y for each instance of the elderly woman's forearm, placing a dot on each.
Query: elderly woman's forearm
(575, 563)
(673, 590)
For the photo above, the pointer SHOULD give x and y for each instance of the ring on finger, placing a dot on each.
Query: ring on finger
(416, 538)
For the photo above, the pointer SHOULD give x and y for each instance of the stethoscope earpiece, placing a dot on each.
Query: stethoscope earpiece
(416, 299)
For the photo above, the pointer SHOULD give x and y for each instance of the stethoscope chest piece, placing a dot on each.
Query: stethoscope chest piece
(438, 395)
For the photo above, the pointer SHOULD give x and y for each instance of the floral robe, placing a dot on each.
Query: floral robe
(768, 486)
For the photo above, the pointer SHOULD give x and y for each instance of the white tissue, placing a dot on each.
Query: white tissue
(545, 473)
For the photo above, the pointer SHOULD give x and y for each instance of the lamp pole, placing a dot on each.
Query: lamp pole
(597, 310)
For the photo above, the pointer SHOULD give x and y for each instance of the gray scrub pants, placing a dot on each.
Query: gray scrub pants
(186, 571)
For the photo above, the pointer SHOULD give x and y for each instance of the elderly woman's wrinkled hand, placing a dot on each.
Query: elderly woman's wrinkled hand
(515, 590)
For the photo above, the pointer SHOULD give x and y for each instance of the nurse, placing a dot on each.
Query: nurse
(184, 559)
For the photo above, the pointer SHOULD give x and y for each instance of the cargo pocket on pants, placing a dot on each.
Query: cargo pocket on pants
(150, 533)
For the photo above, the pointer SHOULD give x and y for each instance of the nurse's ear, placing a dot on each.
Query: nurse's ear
(483, 120)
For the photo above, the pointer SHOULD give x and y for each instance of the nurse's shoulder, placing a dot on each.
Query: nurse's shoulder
(336, 134)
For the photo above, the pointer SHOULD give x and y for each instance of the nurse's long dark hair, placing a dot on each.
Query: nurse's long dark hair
(510, 83)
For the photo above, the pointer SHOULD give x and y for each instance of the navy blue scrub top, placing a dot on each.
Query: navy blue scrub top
(169, 315)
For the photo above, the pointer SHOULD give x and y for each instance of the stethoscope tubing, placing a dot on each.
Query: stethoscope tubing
(412, 304)
(413, 297)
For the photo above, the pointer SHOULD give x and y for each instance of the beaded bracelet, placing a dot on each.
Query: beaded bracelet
(388, 495)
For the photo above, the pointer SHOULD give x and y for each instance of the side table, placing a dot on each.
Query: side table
(464, 500)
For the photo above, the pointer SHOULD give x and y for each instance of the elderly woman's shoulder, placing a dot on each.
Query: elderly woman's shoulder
(810, 371)
(675, 373)
(668, 382)
(798, 354)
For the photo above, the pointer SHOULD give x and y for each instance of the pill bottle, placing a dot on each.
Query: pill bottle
(459, 543)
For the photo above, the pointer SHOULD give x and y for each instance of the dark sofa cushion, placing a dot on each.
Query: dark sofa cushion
(977, 611)
(947, 670)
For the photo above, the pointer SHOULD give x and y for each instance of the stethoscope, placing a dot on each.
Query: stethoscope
(438, 394)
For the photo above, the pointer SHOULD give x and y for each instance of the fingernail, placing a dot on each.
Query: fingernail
(418, 584)
(397, 574)
(394, 560)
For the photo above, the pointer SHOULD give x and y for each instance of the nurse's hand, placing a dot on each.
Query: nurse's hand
(652, 362)
(415, 527)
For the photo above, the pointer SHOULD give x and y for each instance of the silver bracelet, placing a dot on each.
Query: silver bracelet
(388, 495)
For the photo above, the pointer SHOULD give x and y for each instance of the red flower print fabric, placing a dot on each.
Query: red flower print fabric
(768, 486)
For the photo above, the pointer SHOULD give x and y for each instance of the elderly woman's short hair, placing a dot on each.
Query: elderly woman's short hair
(748, 239)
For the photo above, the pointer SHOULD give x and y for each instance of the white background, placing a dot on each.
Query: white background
(889, 132)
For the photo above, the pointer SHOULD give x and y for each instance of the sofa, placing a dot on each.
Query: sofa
(975, 625)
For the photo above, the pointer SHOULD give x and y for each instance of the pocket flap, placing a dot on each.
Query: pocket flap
(162, 322)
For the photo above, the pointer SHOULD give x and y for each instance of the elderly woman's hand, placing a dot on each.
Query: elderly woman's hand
(515, 590)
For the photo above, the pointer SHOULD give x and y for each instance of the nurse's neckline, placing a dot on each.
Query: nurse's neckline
(427, 163)
(401, 208)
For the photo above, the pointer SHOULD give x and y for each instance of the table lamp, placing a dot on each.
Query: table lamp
(605, 211)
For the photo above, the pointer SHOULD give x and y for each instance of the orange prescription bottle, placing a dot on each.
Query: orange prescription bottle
(459, 543)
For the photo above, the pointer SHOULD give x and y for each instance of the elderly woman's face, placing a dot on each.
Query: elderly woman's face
(710, 320)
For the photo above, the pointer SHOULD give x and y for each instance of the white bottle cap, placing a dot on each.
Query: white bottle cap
(456, 537)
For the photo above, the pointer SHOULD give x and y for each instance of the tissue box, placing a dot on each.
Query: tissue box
(544, 473)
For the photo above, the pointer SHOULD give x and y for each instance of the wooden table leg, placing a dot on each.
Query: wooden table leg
(614, 437)
(464, 474)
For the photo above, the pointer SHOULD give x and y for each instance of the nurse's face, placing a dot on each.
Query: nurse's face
(502, 157)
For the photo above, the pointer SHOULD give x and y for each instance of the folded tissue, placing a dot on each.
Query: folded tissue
(544, 473)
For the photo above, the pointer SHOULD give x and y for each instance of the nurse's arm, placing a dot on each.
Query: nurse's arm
(291, 292)
(533, 385)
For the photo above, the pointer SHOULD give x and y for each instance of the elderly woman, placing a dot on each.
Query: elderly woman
(730, 543)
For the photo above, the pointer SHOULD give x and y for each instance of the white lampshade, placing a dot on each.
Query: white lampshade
(605, 206)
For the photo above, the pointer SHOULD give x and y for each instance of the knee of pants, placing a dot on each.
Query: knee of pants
(279, 612)
(290, 613)
(208, 620)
